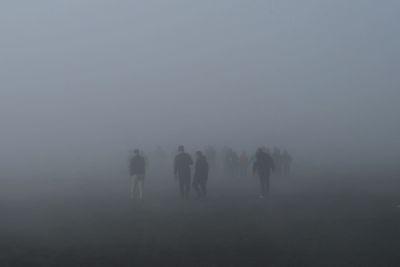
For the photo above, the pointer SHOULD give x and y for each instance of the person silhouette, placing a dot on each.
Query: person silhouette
(263, 165)
(182, 171)
(137, 174)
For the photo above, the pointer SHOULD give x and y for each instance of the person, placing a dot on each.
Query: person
(182, 171)
(263, 166)
(286, 162)
(200, 175)
(137, 174)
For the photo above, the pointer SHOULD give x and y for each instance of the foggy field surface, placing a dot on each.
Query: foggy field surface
(307, 221)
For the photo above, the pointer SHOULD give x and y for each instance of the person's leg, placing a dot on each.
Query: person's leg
(262, 186)
(135, 187)
(267, 185)
(141, 186)
(182, 187)
(132, 187)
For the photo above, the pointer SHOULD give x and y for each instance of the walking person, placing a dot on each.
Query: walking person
(263, 166)
(182, 171)
(137, 174)
(200, 175)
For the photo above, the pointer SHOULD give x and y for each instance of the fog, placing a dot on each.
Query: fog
(83, 82)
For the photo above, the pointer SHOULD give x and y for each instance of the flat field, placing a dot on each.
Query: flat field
(323, 219)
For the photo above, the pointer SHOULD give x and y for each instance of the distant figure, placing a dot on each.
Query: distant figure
(243, 164)
(263, 166)
(137, 174)
(200, 175)
(286, 163)
(182, 171)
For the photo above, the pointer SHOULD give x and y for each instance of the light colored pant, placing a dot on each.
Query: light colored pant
(137, 186)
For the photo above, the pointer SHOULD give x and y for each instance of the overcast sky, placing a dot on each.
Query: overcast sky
(88, 77)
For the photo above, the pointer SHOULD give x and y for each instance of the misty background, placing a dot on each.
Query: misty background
(83, 82)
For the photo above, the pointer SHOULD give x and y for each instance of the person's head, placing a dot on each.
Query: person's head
(181, 149)
(136, 152)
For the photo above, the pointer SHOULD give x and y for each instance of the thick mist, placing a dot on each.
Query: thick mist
(97, 97)
(83, 82)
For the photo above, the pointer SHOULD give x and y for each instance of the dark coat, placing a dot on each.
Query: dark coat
(182, 164)
(201, 169)
(137, 165)
(263, 164)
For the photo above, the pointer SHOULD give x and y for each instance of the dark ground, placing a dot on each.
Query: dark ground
(309, 220)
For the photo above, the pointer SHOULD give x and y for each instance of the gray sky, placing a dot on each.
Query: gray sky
(83, 78)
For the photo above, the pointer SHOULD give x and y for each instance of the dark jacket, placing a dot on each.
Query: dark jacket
(263, 164)
(182, 164)
(137, 165)
(201, 169)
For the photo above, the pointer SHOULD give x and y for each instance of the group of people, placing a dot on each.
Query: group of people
(263, 163)
(236, 164)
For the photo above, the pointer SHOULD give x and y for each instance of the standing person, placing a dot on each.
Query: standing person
(137, 174)
(262, 167)
(182, 171)
(200, 175)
